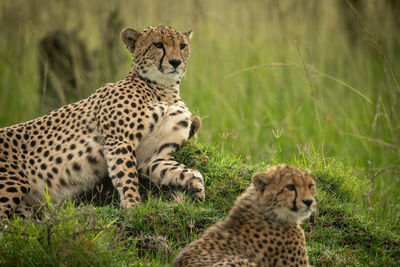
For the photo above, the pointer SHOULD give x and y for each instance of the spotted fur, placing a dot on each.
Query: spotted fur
(124, 127)
(263, 226)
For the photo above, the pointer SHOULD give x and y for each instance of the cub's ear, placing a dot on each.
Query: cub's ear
(261, 180)
(189, 34)
(129, 37)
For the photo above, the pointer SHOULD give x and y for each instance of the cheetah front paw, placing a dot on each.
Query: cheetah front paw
(130, 202)
(195, 187)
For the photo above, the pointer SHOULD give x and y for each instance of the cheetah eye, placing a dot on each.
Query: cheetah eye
(310, 186)
(183, 46)
(290, 187)
(159, 45)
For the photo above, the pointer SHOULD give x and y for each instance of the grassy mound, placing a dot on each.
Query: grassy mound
(340, 233)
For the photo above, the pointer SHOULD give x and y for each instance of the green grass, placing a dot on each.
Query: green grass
(280, 76)
(340, 233)
(305, 82)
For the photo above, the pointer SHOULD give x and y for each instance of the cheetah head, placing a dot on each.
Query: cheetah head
(159, 54)
(285, 193)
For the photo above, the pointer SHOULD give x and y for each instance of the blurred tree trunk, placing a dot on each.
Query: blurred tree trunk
(63, 67)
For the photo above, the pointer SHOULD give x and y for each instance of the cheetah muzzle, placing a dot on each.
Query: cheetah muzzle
(123, 129)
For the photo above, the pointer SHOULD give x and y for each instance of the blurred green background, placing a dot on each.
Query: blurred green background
(270, 79)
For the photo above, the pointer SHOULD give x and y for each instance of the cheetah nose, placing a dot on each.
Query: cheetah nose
(175, 62)
(308, 202)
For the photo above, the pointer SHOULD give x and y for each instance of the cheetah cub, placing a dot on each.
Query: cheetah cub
(123, 129)
(263, 226)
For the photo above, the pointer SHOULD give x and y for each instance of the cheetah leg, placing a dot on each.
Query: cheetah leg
(194, 127)
(121, 163)
(234, 261)
(163, 169)
(23, 210)
(13, 188)
(155, 161)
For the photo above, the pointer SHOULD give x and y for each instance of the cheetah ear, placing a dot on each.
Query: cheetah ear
(189, 34)
(129, 37)
(261, 180)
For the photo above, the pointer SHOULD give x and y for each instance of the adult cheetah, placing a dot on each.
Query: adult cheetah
(263, 226)
(123, 128)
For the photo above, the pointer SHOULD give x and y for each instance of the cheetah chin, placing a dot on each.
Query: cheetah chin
(287, 215)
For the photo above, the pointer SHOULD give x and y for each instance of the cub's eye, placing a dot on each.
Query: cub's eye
(159, 45)
(290, 187)
(310, 186)
(183, 46)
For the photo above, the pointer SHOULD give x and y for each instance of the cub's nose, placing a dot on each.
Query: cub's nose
(308, 202)
(175, 62)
